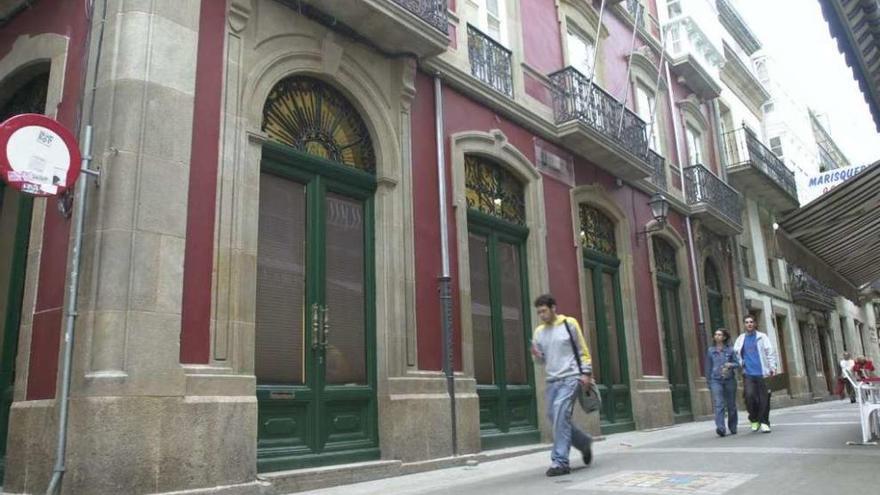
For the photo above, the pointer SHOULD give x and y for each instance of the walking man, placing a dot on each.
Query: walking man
(758, 360)
(559, 345)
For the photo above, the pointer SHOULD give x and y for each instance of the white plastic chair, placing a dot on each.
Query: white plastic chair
(868, 398)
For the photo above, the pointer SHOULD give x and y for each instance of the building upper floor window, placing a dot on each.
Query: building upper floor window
(694, 145)
(776, 146)
(674, 8)
(769, 107)
(646, 102)
(492, 18)
(580, 50)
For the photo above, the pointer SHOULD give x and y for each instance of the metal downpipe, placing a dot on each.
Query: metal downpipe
(445, 280)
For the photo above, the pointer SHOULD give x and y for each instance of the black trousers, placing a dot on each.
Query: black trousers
(757, 399)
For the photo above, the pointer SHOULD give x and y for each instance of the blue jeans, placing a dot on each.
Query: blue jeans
(724, 397)
(560, 397)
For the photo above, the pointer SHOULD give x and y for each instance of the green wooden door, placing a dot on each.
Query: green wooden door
(668, 285)
(15, 222)
(676, 359)
(608, 340)
(315, 323)
(499, 316)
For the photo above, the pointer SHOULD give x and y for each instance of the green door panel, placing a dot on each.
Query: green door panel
(315, 328)
(500, 322)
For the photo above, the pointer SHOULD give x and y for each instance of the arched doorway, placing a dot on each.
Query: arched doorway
(714, 297)
(315, 296)
(499, 304)
(668, 283)
(604, 315)
(15, 223)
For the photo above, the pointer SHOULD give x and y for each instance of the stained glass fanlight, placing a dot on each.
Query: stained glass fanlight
(597, 231)
(664, 257)
(493, 190)
(315, 118)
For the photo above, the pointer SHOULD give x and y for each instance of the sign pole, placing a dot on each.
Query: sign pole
(71, 311)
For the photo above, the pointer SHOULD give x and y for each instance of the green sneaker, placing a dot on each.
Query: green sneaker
(755, 426)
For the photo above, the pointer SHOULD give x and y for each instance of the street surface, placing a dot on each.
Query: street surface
(805, 454)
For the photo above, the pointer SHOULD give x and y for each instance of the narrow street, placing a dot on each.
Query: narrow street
(805, 454)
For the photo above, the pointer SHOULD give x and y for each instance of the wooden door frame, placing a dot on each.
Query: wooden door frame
(601, 263)
(320, 176)
(14, 310)
(496, 230)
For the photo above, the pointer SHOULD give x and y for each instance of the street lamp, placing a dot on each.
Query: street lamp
(659, 209)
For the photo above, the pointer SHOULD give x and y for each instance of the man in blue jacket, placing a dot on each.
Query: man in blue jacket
(758, 361)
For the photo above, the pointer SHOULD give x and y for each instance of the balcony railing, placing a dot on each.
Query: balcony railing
(702, 186)
(434, 12)
(809, 292)
(658, 165)
(490, 61)
(742, 147)
(575, 99)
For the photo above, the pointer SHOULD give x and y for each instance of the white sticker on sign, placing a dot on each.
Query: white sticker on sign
(39, 154)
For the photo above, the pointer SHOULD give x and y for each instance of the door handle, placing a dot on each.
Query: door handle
(316, 324)
(326, 326)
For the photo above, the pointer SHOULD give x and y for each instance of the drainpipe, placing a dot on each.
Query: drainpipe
(701, 325)
(73, 288)
(732, 241)
(445, 281)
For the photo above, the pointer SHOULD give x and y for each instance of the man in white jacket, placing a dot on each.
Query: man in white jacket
(758, 361)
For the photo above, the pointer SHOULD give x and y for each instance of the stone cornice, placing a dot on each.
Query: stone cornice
(737, 27)
(743, 82)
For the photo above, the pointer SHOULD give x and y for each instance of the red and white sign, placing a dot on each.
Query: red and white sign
(38, 155)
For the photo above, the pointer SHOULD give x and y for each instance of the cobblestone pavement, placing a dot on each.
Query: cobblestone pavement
(807, 453)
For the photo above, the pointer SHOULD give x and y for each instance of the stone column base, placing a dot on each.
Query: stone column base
(652, 403)
(135, 445)
(414, 418)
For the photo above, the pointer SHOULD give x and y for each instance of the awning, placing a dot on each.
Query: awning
(842, 229)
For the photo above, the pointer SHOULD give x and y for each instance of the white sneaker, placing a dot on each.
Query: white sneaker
(765, 428)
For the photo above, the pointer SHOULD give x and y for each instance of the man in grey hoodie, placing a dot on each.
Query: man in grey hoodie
(758, 361)
(558, 343)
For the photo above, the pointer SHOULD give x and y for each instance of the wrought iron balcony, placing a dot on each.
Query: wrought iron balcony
(757, 172)
(599, 127)
(490, 61)
(434, 12)
(712, 200)
(421, 26)
(809, 292)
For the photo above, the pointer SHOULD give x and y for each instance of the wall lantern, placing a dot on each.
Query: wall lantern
(659, 209)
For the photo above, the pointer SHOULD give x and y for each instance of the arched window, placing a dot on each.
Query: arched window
(664, 257)
(29, 98)
(315, 118)
(492, 190)
(597, 231)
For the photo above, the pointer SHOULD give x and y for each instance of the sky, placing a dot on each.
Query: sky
(795, 34)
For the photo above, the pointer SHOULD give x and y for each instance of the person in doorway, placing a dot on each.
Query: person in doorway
(721, 364)
(846, 367)
(758, 360)
(558, 344)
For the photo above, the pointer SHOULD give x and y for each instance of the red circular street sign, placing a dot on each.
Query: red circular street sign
(38, 155)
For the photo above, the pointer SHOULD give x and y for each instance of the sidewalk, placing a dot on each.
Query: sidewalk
(806, 454)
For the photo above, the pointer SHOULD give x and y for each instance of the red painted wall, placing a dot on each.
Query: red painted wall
(542, 42)
(68, 19)
(198, 264)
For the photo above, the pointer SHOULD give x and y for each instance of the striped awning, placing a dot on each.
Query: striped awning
(856, 26)
(842, 228)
